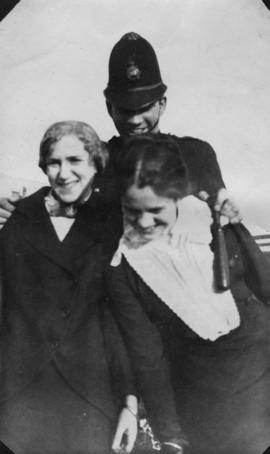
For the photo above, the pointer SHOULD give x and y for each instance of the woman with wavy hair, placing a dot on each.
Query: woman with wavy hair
(65, 385)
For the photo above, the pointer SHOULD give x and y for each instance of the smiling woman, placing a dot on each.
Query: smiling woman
(164, 297)
(148, 213)
(58, 368)
(70, 170)
(150, 192)
(71, 154)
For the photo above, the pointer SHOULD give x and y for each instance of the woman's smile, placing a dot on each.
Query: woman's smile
(150, 214)
(70, 169)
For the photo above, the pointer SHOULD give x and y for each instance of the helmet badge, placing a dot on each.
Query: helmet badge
(133, 71)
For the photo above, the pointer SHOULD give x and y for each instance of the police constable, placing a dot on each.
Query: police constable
(135, 99)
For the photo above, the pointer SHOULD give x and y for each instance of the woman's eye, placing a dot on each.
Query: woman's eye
(131, 211)
(75, 160)
(52, 163)
(155, 210)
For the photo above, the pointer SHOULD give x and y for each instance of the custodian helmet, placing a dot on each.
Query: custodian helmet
(134, 74)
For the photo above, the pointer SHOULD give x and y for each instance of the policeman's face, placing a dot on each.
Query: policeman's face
(70, 169)
(148, 213)
(131, 122)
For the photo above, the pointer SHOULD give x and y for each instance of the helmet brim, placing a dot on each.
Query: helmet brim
(135, 99)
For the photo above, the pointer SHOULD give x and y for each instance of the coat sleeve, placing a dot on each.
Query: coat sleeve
(122, 376)
(1, 277)
(146, 351)
(256, 265)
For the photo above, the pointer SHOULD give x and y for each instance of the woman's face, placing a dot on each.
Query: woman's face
(150, 214)
(70, 169)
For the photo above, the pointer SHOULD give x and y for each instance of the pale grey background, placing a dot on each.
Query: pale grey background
(214, 56)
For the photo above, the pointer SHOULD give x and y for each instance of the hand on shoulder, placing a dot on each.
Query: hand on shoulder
(6, 208)
(224, 204)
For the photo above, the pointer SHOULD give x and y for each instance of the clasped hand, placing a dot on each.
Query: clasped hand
(126, 432)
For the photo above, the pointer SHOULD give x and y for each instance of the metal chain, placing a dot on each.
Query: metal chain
(147, 429)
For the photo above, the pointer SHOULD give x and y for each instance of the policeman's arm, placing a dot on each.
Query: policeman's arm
(227, 206)
(224, 204)
(212, 182)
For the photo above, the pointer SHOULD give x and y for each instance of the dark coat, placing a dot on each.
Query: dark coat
(222, 388)
(52, 303)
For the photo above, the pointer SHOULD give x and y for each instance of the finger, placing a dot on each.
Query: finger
(228, 207)
(116, 444)
(203, 195)
(7, 204)
(222, 196)
(230, 211)
(236, 219)
(15, 196)
(4, 215)
(224, 206)
(131, 437)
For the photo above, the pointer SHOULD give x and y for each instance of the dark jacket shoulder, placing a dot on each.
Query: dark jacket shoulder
(201, 161)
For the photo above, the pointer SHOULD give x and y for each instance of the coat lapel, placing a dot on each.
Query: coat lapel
(39, 231)
(88, 230)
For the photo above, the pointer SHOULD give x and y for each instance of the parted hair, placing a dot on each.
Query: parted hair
(85, 133)
(154, 160)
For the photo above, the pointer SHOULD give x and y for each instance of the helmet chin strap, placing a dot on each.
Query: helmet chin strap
(156, 123)
(154, 126)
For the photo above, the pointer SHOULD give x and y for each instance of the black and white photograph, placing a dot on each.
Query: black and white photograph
(134, 227)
